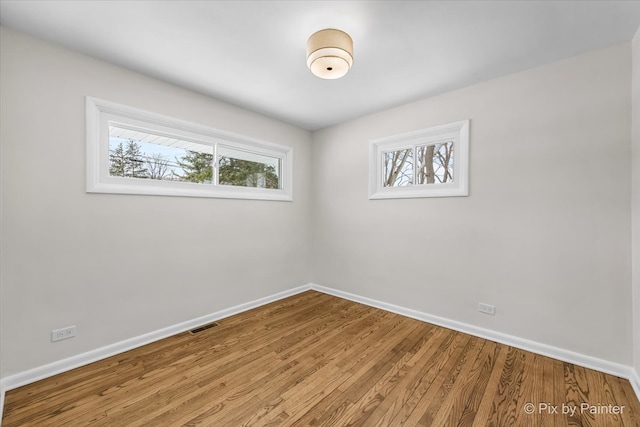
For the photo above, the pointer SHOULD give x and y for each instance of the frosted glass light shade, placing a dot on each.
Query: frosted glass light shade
(329, 53)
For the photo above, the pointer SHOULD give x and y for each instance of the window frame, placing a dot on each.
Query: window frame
(458, 132)
(99, 113)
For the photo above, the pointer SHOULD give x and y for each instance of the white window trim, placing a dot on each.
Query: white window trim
(100, 112)
(458, 132)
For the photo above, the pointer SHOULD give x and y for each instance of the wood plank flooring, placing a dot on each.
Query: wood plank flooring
(317, 360)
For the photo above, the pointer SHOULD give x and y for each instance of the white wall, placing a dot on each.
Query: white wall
(635, 198)
(119, 266)
(545, 232)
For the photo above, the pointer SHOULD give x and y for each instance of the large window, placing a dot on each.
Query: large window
(430, 162)
(131, 151)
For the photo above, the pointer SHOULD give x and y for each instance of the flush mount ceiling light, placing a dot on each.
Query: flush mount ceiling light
(329, 53)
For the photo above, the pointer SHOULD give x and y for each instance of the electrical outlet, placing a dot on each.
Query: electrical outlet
(63, 334)
(487, 309)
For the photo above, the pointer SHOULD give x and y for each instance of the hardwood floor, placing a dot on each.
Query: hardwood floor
(317, 360)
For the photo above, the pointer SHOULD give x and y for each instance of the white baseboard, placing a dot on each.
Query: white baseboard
(32, 375)
(634, 379)
(569, 356)
(45, 371)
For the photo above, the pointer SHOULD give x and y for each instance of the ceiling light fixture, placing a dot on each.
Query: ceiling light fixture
(329, 53)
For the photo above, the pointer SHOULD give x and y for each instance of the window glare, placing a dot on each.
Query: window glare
(247, 169)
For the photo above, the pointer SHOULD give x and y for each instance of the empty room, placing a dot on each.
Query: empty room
(319, 213)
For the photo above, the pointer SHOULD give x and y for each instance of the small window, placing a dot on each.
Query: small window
(430, 162)
(135, 152)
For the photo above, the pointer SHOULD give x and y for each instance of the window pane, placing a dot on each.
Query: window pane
(247, 169)
(135, 154)
(398, 168)
(435, 163)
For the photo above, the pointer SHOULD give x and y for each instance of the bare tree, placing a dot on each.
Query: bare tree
(444, 160)
(398, 168)
(426, 173)
(157, 166)
(435, 163)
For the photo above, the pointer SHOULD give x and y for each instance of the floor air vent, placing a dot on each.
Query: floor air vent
(203, 328)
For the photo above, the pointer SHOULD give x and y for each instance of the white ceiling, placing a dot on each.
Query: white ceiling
(252, 53)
